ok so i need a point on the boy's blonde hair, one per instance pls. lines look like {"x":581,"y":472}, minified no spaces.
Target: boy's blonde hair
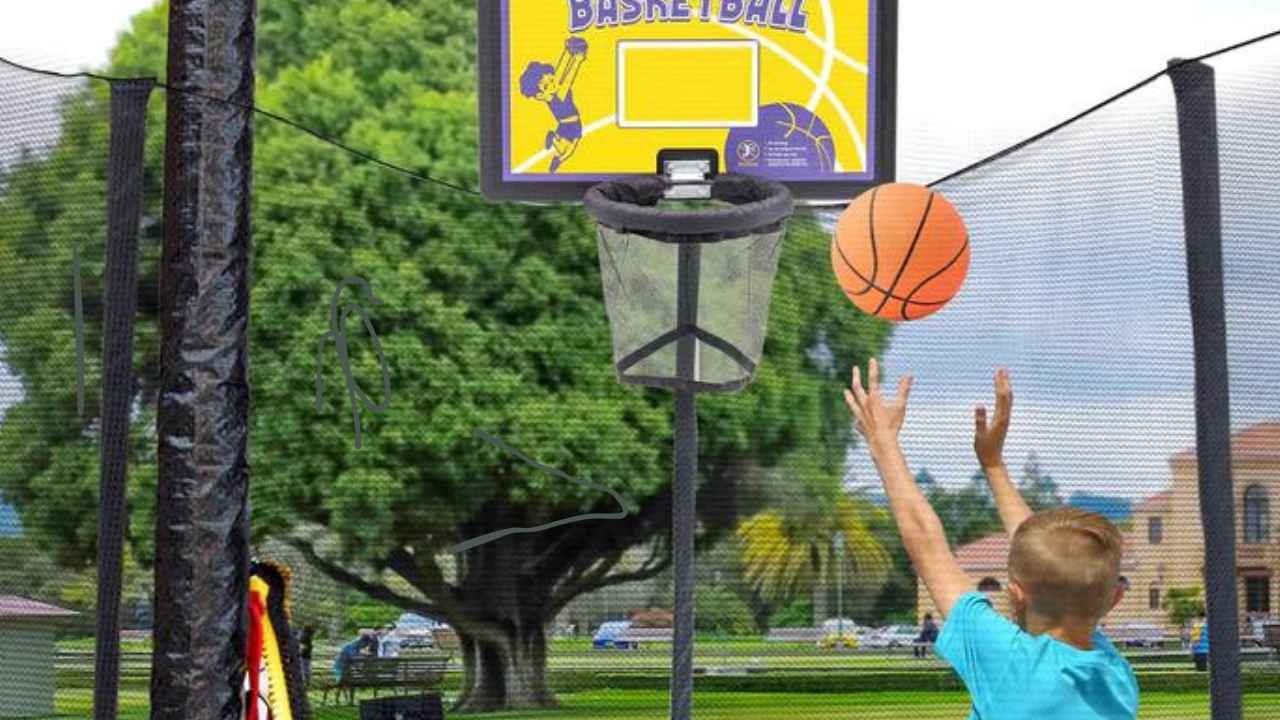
{"x":1068,"y":562}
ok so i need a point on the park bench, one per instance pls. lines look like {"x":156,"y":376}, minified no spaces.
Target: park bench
{"x":408,"y":672}
{"x":634,"y":636}
{"x":1271,"y":637}
{"x":446,"y":640}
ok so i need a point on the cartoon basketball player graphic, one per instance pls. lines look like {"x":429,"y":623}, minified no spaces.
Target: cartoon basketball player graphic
{"x":554,"y":86}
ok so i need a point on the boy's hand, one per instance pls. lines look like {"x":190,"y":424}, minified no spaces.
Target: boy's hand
{"x":877,"y":420}
{"x":988,"y":440}
{"x":923,"y":536}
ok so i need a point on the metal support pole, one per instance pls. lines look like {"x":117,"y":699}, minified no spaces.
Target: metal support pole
{"x":839,"y":557}
{"x":202,"y":514}
{"x":683,"y":521}
{"x":684,"y":492}
{"x":120,"y":301}
{"x":1193,"y":86}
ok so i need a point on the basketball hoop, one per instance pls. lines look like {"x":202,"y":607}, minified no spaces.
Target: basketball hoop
{"x":687,"y":286}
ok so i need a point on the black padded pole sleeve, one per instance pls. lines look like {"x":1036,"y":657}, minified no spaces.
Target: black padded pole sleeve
{"x":684,"y":511}
{"x":684,"y":519}
{"x":120,"y":299}
{"x":1193,"y":86}
{"x":202,"y":511}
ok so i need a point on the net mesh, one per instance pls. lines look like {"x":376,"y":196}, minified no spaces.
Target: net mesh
{"x":1250,"y":191}
{"x":53,"y":209}
{"x":505,"y":423}
{"x":735,"y":279}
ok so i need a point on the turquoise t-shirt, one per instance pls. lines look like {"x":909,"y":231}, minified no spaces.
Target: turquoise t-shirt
{"x":1012,"y":675}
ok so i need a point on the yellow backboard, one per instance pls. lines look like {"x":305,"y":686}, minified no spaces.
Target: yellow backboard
{"x":574,"y":92}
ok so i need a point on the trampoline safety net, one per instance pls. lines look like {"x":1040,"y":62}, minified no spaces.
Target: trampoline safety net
{"x":448,"y":478}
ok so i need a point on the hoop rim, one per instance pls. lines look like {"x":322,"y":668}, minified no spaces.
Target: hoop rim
{"x":755,"y":206}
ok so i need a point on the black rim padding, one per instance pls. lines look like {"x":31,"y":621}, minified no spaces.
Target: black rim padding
{"x":753,"y":206}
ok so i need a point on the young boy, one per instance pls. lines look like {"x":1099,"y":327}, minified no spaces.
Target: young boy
{"x":1064,"y":572}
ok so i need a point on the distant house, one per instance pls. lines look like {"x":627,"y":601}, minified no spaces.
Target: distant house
{"x":28,"y":629}
{"x":1164,"y":547}
{"x":1114,"y":509}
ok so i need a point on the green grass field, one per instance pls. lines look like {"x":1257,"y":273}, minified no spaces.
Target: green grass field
{"x":576,"y":670}
{"x":577,"y":654}
{"x":652,"y":705}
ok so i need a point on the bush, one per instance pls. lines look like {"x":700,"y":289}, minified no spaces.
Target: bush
{"x":1184,"y":605}
{"x":898,"y":617}
{"x":369,"y":614}
{"x":798,"y":613}
{"x":721,"y":611}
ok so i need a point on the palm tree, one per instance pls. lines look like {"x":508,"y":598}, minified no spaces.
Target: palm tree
{"x":790,"y":552}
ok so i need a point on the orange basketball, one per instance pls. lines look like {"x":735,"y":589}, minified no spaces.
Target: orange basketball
{"x":900,"y":251}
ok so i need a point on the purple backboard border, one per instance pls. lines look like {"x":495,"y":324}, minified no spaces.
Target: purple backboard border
{"x":872,"y":132}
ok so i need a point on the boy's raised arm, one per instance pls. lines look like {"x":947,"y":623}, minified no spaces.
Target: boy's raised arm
{"x":922,"y":532}
{"x":988,"y":444}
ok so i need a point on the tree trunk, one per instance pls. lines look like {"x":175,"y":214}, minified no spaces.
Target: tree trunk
{"x":510,"y":675}
{"x":506,"y":664}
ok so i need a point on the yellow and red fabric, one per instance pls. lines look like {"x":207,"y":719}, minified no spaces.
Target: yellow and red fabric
{"x":266,"y":690}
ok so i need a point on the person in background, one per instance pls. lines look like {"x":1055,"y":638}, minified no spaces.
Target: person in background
{"x":389,"y":642}
{"x":1200,"y":643}
{"x":365,"y":644}
{"x":305,"y":646}
{"x":928,"y":636}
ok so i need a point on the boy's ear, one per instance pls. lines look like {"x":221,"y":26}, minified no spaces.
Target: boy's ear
{"x":1016,"y":593}
{"x":1119,"y":595}
{"x":1017,"y":602}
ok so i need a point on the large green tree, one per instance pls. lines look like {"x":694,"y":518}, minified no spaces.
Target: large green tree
{"x":1038,"y":487}
{"x":491,"y":319}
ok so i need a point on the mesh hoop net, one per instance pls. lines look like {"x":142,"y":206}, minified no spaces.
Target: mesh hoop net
{"x":694,"y":273}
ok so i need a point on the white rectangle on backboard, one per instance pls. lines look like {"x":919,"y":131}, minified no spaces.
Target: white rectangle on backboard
{"x":688,"y":83}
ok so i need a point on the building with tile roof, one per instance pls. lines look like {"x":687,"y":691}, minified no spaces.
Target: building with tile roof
{"x":1164,"y":542}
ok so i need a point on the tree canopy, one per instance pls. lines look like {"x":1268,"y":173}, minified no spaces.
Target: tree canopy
{"x":490,"y":318}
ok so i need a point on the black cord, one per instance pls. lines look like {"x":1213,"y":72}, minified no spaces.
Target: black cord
{"x":1081,"y":115}
{"x":265,"y":113}
{"x":68,"y":76}
{"x":337,"y":143}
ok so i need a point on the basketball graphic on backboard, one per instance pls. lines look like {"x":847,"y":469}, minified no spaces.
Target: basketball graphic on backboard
{"x":787,"y":141}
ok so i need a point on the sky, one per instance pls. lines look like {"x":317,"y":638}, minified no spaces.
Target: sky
{"x":64,"y":34}
{"x":976,"y":75}
{"x":1099,"y":355}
